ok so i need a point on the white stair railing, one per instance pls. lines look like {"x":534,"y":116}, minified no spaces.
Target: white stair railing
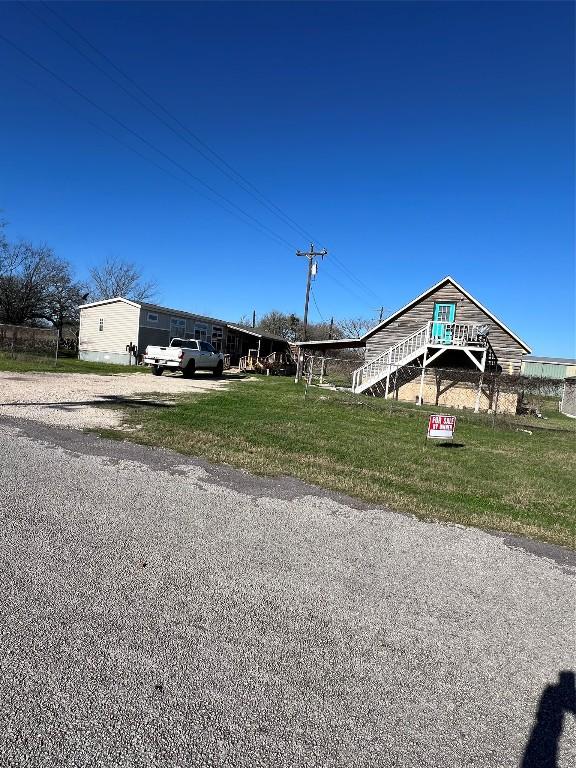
{"x":393,"y":358}
{"x":434,"y":333}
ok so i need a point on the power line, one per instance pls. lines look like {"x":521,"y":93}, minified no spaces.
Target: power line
{"x":345,"y":287}
{"x":316,"y":304}
{"x":268,"y":204}
{"x":237,"y":178}
{"x":144,"y":140}
{"x":126,"y":90}
{"x":356,"y":279}
{"x":126,"y":145}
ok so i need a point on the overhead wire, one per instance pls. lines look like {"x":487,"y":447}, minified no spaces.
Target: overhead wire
{"x":124,"y":144}
{"x":316,"y":304}
{"x":120,"y":85}
{"x":145,"y":141}
{"x":245,"y":182}
{"x":227,"y":170}
{"x":348,"y":288}
{"x":354,"y":277}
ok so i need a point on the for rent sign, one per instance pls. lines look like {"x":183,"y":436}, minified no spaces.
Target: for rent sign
{"x":442,"y":426}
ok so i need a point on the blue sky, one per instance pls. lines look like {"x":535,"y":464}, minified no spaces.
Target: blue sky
{"x":411,"y":140}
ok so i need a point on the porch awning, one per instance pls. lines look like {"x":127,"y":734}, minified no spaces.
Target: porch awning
{"x":328,"y":344}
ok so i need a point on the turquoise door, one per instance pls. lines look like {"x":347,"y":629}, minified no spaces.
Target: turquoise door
{"x":443,"y":313}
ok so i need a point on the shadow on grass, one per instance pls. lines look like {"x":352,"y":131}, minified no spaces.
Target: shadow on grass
{"x":450,"y":445}
{"x":201,"y":375}
{"x":132,"y":402}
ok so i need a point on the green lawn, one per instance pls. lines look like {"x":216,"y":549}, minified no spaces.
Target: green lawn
{"x":376,"y":450}
{"x":26,"y":363}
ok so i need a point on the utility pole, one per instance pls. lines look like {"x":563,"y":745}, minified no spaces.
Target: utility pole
{"x":312,"y":268}
{"x":311,"y":255}
{"x":254,"y":319}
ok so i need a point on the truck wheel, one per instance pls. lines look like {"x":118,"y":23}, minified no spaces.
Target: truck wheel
{"x":190,"y":370}
{"x":157,"y":370}
{"x":219,"y":368}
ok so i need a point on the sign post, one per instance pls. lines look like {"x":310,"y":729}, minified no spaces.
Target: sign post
{"x":441,"y":427}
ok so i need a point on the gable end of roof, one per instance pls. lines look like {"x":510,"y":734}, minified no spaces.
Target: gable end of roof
{"x":440,"y":284}
{"x":110,"y":301}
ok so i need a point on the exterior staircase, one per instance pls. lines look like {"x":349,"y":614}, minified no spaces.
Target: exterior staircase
{"x":420,"y":348}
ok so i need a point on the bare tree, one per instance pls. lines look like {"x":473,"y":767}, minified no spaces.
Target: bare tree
{"x":246,"y":321}
{"x":3,"y":243}
{"x":355,"y":327}
{"x":26,"y":274}
{"x":120,"y":278}
{"x":63,"y":298}
{"x":291,"y":327}
{"x":324,"y":331}
{"x":37,"y":288}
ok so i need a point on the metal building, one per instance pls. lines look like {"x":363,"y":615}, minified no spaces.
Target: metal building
{"x":548,"y":367}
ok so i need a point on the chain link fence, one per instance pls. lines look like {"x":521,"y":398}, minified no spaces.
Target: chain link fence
{"x":18,"y":341}
{"x":568,"y":402}
{"x":496,"y":394}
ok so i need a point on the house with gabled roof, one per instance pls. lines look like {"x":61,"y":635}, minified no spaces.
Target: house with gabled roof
{"x":444,"y":328}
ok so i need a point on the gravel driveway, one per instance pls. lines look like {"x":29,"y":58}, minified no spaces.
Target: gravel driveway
{"x":158,"y":612}
{"x":67,"y":399}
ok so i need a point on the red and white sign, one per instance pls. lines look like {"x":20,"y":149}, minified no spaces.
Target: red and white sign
{"x":442,"y":426}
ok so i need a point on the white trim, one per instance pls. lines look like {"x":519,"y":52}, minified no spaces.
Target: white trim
{"x":475,"y":360}
{"x":269,"y":336}
{"x":244,"y":330}
{"x":550,"y":361}
{"x":109,"y":301}
{"x":437,"y":354}
{"x":446,"y":279}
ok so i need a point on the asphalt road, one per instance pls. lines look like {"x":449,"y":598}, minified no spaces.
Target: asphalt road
{"x":157,"y":611}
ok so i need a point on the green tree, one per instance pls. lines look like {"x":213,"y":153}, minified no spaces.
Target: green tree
{"x":287,"y":326}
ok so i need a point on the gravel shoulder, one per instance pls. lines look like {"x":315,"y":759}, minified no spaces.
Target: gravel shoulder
{"x":71,"y":399}
{"x":159,"y":612}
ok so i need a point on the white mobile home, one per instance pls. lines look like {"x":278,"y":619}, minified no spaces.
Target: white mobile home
{"x":108,"y":329}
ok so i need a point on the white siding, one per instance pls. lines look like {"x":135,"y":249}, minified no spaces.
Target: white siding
{"x":119,"y":328}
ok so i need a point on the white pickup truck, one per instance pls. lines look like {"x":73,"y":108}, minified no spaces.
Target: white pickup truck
{"x":186,"y":355}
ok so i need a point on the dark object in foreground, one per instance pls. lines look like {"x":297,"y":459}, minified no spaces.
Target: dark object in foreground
{"x":542,"y":748}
